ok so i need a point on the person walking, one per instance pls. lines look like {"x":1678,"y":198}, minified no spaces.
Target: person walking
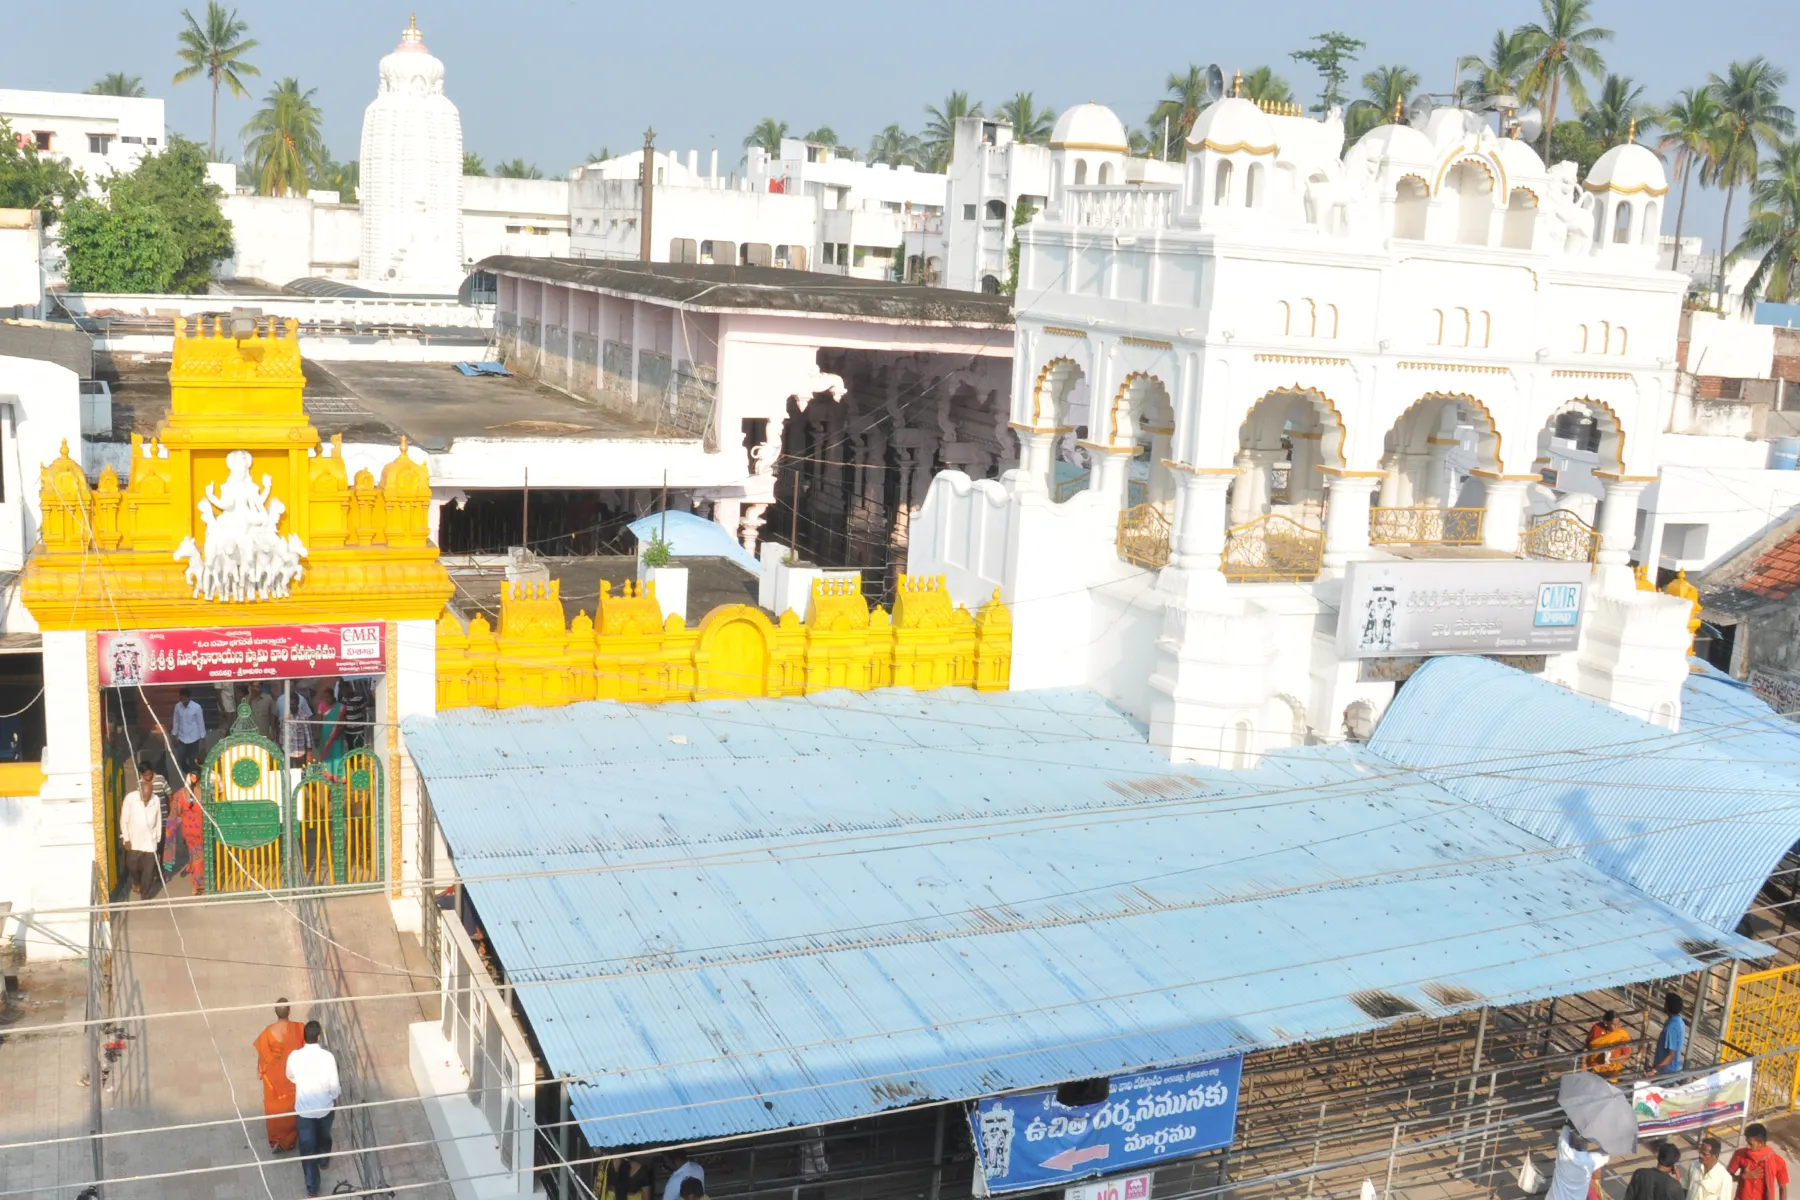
{"x":1576,"y":1162}
{"x":1707,"y":1177}
{"x":1608,"y":1031}
{"x":262,"y":711}
{"x":141,"y":828}
{"x":190,"y":731}
{"x":1761,"y":1173}
{"x":312,"y":1069}
{"x":1661,"y":1182}
{"x":274,"y":1046}
{"x":296,"y":726}
{"x":184,"y":836}
{"x":1671,"y":1044}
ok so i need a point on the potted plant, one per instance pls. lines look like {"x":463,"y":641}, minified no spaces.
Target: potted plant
{"x":671,"y":582}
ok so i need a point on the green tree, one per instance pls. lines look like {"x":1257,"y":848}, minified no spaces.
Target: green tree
{"x":472,"y":164}
{"x":117,"y":83}
{"x":824,"y":135}
{"x":118,"y":246}
{"x":341,"y":177}
{"x":1264,"y":86}
{"x":1772,"y":230}
{"x":1691,"y":134}
{"x":1184,"y":98}
{"x":939,"y":137}
{"x":767,"y":134}
{"x":284,"y":147}
{"x":28,"y":180}
{"x":1029,"y":122}
{"x":1751,"y":117}
{"x":1331,"y":57}
{"x":1562,"y":49}
{"x":174,"y":183}
{"x":1619,"y":113}
{"x":215,"y":48}
{"x":1501,"y":73}
{"x":1388,"y":89}
{"x":1571,"y":142}
{"x":895,"y":147}
{"x":1023,"y":212}
{"x":1141,"y":143}
{"x":517,"y":168}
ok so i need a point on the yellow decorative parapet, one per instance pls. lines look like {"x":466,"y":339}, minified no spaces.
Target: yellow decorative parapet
{"x":627,"y":652}
{"x":108,"y":554}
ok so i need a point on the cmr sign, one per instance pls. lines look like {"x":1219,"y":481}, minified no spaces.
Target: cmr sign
{"x":1497,"y":606}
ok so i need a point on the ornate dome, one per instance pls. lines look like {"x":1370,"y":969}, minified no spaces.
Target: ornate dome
{"x":1628,"y":169}
{"x":411,"y":67}
{"x":1232,"y":124}
{"x":1088,"y":126}
{"x":1402,"y":143}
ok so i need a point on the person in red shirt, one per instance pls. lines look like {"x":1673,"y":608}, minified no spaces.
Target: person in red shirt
{"x":1761,"y":1173}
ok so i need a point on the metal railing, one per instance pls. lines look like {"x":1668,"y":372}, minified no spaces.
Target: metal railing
{"x":1426,"y":525}
{"x":1144,"y":536}
{"x":1561,"y":537}
{"x":1272,"y":548}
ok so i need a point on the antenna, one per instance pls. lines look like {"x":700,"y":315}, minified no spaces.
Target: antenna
{"x":1420,"y":110}
{"x":1215,"y":82}
{"x":1529,"y":123}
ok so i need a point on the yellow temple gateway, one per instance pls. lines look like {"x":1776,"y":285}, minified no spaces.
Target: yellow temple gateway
{"x":244,"y":607}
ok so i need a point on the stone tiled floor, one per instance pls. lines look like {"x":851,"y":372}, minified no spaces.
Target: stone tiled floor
{"x":42,"y":1084}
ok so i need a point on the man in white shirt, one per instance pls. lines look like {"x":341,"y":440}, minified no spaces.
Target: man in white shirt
{"x":141,"y":829}
{"x":1707,"y":1177}
{"x":312,"y":1069}
{"x":687,"y":1170}
{"x":296,"y":728}
{"x":1574,"y":1167}
{"x":189,"y":731}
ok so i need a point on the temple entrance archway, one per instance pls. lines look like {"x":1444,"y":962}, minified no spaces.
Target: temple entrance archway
{"x":1430,"y":489}
{"x":1286,"y":438}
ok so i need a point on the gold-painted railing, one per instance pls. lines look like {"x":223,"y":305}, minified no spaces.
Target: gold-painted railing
{"x":1561,"y":537}
{"x":1272,"y":548}
{"x":1426,"y":525}
{"x":1144,"y":536}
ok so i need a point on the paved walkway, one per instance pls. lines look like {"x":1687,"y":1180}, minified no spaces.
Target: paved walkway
{"x":43,"y":1083}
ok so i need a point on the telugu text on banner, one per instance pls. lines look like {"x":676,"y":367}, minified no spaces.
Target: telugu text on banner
{"x":144,"y":657}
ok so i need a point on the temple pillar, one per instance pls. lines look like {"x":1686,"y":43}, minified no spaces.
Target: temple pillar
{"x":1618,"y":529}
{"x":1505,"y":503}
{"x":1037,"y":458}
{"x":1197,"y":534}
{"x":1437,"y":467}
{"x":1111,"y":475}
{"x":1347,"y":517}
{"x":1390,"y":482}
{"x":1244,"y":506}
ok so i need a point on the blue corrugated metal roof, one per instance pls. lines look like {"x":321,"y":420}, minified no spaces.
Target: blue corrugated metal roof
{"x":1690,"y":818}
{"x":785,"y":912}
{"x":1743,"y":722}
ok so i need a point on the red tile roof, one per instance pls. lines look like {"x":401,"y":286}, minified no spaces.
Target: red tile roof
{"x":1777,"y":573}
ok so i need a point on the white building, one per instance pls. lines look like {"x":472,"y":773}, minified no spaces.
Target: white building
{"x":411,"y":175}
{"x":1306,"y":399}
{"x":96,"y":135}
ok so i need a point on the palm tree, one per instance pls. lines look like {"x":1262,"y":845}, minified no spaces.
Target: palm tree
{"x":824,"y":135}
{"x":1141,"y":143}
{"x":283,"y":146}
{"x":117,"y":83}
{"x":1561,"y":48}
{"x":1499,"y":74}
{"x":939,"y":137}
{"x":342,"y":177}
{"x":1773,"y":230}
{"x":1619,"y":111}
{"x":767,"y":134}
{"x":592,"y":156}
{"x":216,"y":49}
{"x":1180,"y":109}
{"x":1029,"y":122}
{"x":895,"y":147}
{"x":1751,"y":117}
{"x":1691,"y":131}
{"x":472,"y":164}
{"x":1388,"y":89}
{"x":1264,"y":86}
{"x":517,"y":168}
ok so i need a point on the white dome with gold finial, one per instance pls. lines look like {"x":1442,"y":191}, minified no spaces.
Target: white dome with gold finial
{"x":1231,"y":124}
{"x":1088,"y":126}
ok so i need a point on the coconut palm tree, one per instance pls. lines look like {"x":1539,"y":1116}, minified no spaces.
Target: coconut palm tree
{"x":1501,"y":73}
{"x":1186,"y":97}
{"x":1691,"y":133}
{"x":1751,"y":117}
{"x":517,"y":168}
{"x":767,"y":134}
{"x":939,"y":137}
{"x":216,"y":48}
{"x":472,"y":164}
{"x":117,"y":83}
{"x":1264,"y":86}
{"x":283,"y":146}
{"x":1388,"y":89}
{"x":1772,"y":230}
{"x":1029,"y":122}
{"x":1619,"y":113}
{"x":1562,"y":50}
{"x":895,"y":147}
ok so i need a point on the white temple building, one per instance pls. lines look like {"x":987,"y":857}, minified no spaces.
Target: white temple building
{"x":411,"y":181}
{"x":1295,"y":422}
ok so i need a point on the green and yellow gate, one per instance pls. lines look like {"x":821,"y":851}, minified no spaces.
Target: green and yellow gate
{"x":327,"y":827}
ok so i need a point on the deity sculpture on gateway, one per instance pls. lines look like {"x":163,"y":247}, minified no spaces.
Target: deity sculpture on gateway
{"x":245,"y":556}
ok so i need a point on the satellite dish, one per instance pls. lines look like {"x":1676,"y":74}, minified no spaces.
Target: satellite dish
{"x":1420,"y":110}
{"x":1215,"y":82}
{"x":1530,"y":123}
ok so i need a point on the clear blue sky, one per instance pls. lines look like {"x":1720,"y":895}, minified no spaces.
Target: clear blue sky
{"x":551,"y":80}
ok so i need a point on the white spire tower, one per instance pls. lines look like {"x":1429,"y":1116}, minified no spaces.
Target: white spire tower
{"x":411,"y":180}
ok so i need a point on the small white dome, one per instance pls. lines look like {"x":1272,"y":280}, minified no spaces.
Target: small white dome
{"x":1231,"y":124}
{"x":1517,"y":156}
{"x":1401,"y":143}
{"x":1628,"y":168}
{"x":1088,"y":126}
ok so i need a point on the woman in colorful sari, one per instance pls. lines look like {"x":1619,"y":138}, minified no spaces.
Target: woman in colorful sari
{"x":334,"y":742}
{"x":185,"y":834}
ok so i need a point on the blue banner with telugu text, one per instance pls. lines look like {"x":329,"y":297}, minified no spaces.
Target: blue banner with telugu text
{"x":1028,"y":1140}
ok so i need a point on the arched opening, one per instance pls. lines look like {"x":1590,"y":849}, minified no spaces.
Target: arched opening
{"x":1287,"y":317}
{"x":1599,"y":226}
{"x":1253,"y":185}
{"x":1285,"y":439}
{"x":1459,"y":327}
{"x":1143,"y":417}
{"x":1428,"y":494}
{"x":1581,"y":339}
{"x":1624,"y":339}
{"x":1222,"y":185}
{"x":1437,"y":327}
{"x":1473,"y":189}
{"x":1410,"y":203}
{"x":1105,"y":176}
{"x":1580,"y":438}
{"x":1521,"y":220}
{"x":1652,"y":223}
{"x":756,"y":254}
{"x":1059,"y":401}
{"x":1485,"y":323}
{"x":996,"y":210}
{"x":990,"y":285}
{"x":1080,"y":172}
{"x":1622,"y":223}
{"x":1331,"y":320}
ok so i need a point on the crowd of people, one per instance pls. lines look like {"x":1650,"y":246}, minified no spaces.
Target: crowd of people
{"x":1754,"y":1172}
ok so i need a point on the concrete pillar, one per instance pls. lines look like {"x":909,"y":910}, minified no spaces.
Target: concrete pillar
{"x":1437,"y":459}
{"x":1198,"y":536}
{"x":1390,"y":482}
{"x":1243,"y":491}
{"x":1037,"y":459}
{"x":1347,"y":519}
{"x":1505,"y":503}
{"x":1111,"y":475}
{"x":1618,"y":529}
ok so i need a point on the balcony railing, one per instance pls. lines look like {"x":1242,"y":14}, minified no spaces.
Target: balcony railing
{"x":1561,"y":537}
{"x":1113,"y":207}
{"x":1272,"y":549}
{"x":1424,"y":525}
{"x":1144,"y":536}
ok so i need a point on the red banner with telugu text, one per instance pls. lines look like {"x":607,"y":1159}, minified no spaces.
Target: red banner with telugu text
{"x":157,"y":656}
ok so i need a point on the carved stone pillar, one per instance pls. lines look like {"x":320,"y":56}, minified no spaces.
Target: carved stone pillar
{"x":1505,"y":503}
{"x":1390,"y":482}
{"x":1244,"y":506}
{"x":1037,"y":448}
{"x":1347,"y":519}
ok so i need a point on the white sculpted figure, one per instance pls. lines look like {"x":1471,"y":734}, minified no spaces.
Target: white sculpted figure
{"x":1347,"y":207}
{"x":244,"y":557}
{"x":1568,"y":211}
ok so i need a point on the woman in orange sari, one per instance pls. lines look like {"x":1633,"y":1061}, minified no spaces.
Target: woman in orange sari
{"x":273,"y":1045}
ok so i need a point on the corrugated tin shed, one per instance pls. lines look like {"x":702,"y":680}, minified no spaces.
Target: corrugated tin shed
{"x":1690,"y":818}
{"x":737,"y":916}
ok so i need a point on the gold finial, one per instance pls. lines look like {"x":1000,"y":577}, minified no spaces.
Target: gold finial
{"x":1399,"y":107}
{"x":1237,"y":84}
{"x":1632,"y":136}
{"x":411,"y":35}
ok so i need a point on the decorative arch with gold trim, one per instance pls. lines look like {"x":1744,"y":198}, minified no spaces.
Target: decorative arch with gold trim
{"x":1044,"y":377}
{"x":1320,"y":400}
{"x":1473,"y":402}
{"x":1493,"y":167}
{"x":1118,"y":401}
{"x":1594,"y":408}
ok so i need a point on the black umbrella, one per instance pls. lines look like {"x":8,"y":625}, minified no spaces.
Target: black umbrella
{"x":1599,"y":1111}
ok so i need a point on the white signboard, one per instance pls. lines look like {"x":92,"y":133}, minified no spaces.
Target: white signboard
{"x":1119,"y":1187}
{"x":1461,"y":606}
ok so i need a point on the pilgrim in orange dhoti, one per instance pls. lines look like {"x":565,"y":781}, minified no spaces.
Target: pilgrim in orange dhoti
{"x":273,"y":1045}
